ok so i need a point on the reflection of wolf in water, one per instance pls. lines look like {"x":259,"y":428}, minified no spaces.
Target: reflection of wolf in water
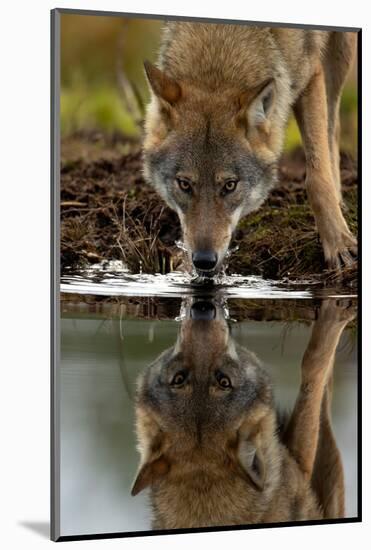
{"x":213,"y":449}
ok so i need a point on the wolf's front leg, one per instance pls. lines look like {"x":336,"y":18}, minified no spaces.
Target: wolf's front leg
{"x":339,"y":245}
{"x":301,"y":436}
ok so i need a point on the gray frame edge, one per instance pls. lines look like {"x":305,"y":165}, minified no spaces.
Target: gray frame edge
{"x":55,"y":276}
{"x":72,"y":11}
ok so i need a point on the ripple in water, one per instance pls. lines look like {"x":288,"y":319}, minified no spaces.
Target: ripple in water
{"x":114,"y":279}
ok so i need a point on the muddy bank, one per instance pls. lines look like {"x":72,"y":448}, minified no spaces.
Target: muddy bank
{"x":109,"y":212}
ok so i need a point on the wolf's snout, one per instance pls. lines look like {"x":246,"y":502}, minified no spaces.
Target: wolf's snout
{"x":205,"y":260}
{"x":203,"y":311}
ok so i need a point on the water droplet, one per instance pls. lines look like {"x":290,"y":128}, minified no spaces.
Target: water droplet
{"x":181,"y":245}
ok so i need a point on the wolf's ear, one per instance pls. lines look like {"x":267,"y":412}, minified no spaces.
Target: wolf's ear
{"x":251,"y":461}
{"x":163,"y":86}
{"x":148,"y":473}
{"x":256,"y":105}
{"x":153,"y":464}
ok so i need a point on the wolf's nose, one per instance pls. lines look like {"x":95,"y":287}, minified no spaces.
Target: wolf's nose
{"x":203,"y":311}
{"x":204,"y":260}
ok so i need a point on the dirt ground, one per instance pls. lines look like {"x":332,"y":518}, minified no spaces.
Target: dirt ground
{"x":109,"y":212}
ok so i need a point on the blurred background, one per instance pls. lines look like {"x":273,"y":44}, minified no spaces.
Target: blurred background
{"x":103,"y":87}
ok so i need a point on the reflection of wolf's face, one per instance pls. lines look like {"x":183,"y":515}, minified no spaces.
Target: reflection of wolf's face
{"x":205,"y":419}
{"x":205,"y":383}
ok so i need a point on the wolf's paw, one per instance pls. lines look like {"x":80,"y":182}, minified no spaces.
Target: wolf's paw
{"x":332,"y":318}
{"x":341,"y":251}
{"x":334,"y":311}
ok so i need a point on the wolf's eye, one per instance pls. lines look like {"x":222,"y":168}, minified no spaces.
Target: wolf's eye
{"x":229,"y":186}
{"x":179,"y":378}
{"x":223,"y":381}
{"x":184,"y":185}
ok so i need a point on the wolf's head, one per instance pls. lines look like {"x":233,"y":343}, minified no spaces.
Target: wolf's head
{"x":212,"y":156}
{"x":204,"y":412}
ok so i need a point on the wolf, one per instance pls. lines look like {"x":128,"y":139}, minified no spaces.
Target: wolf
{"x":214,"y":449}
{"x":215,"y":127}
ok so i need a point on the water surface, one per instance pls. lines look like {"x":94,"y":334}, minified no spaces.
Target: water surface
{"x":107,"y":343}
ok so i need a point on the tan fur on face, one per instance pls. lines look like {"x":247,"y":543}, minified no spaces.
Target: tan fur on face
{"x":202,"y":232}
